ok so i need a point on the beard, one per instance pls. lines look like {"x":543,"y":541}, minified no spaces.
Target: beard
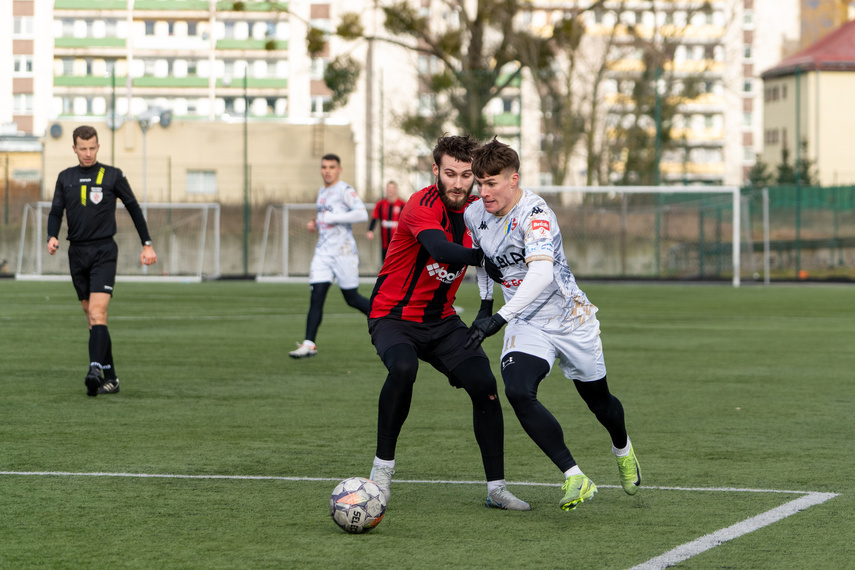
{"x":452,"y":202}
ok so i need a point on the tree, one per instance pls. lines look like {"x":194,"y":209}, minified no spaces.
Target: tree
{"x":478,"y":48}
{"x":802,"y":173}
{"x":759,"y":176}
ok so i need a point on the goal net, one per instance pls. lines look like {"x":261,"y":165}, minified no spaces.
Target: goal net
{"x":186,"y":238}
{"x":287,"y":247}
{"x":653,"y":232}
{"x":614,"y":232}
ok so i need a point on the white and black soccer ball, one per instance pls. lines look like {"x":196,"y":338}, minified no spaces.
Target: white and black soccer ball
{"x":357,"y":505}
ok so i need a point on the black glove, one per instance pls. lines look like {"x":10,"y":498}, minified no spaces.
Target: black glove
{"x":486,"y":309}
{"x":493,"y":270}
{"x":482,"y":328}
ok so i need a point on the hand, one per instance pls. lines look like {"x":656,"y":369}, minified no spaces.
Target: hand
{"x":482,"y":328}
{"x":486,"y":309}
{"x":369,"y":234}
{"x":52,"y":245}
{"x":493,"y":270}
{"x":148,"y":256}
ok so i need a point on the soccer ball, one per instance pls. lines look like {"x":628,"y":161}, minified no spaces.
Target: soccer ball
{"x":357,"y":505}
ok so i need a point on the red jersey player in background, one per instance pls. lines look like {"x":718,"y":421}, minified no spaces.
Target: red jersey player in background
{"x":412,"y":317}
{"x":386,"y":211}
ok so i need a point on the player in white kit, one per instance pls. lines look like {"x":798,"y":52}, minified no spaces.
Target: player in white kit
{"x":547,"y":317}
{"x":336,"y":256}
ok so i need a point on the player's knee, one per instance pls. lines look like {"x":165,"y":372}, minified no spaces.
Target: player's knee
{"x":522,"y":373}
{"x":402,"y":366}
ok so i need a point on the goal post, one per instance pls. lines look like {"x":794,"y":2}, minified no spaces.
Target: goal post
{"x":675,"y":232}
{"x":186,"y":238}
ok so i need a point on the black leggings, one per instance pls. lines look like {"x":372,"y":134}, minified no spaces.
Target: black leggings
{"x":523,"y":373}
{"x":473,"y":375}
{"x":316,"y":306}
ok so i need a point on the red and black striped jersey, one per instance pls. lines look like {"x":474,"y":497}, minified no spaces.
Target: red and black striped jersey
{"x":412,"y":286}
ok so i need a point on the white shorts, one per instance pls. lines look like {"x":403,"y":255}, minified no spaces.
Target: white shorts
{"x":344,"y":268}
{"x":579,"y":352}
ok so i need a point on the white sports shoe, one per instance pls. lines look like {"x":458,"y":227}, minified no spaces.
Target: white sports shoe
{"x":501,"y":498}
{"x":303,"y":351}
{"x":382,"y":476}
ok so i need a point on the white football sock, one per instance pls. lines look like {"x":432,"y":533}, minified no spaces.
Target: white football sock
{"x":622,"y":452}
{"x":383,"y":463}
{"x":573,"y":471}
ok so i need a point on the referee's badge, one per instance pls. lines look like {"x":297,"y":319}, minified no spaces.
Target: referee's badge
{"x":95,"y":195}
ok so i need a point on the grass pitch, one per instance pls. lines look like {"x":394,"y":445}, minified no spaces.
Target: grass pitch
{"x":221,"y":452}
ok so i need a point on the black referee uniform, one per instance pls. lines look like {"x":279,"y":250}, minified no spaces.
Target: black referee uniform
{"x":88,"y":196}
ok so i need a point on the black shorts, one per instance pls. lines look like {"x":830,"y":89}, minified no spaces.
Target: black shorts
{"x":93,"y":267}
{"x":440,"y":343}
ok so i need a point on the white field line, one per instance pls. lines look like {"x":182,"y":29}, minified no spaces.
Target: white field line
{"x":709,"y":541}
{"x":670,"y":558}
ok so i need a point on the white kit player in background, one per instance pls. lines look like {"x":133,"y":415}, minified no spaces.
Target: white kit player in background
{"x":336,"y":256}
{"x":548,"y":317}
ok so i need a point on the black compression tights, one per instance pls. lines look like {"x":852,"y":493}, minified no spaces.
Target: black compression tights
{"x":522,"y":374}
{"x":316,"y":306}
{"x":473,"y":375}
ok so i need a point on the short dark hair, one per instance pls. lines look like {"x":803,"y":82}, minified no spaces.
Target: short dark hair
{"x":331,"y":156}
{"x":494,"y":158}
{"x":460,"y":147}
{"x":84,"y":132}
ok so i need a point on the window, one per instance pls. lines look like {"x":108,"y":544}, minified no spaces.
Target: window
{"x":746,"y":52}
{"x":201,"y":182}
{"x":747,"y":118}
{"x":22,"y":26}
{"x":748,"y":18}
{"x":149,"y":27}
{"x":748,"y":86}
{"x":320,"y":103}
{"x":22,"y":65}
{"x":170,"y":27}
{"x":191,"y":67}
{"x":22,"y":104}
{"x":68,"y":28}
{"x":748,"y":153}
{"x":110,"y":28}
{"x":67,"y":66}
{"x":230,"y":31}
{"x":192,"y":28}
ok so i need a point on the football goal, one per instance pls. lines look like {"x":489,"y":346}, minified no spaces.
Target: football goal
{"x":186,"y":238}
{"x":614,"y":232}
{"x":287,"y":247}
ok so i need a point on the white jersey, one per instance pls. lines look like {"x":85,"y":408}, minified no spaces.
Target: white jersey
{"x":529,"y":232}
{"x":337,"y":239}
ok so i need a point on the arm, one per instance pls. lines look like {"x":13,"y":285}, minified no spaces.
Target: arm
{"x":351,"y":217}
{"x":124,"y":192}
{"x":55,"y":218}
{"x":537,"y":278}
{"x":444,"y":251}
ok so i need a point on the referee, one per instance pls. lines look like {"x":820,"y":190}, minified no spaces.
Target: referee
{"x":87,"y":192}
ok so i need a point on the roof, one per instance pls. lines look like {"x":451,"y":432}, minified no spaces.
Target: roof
{"x":834,"y":52}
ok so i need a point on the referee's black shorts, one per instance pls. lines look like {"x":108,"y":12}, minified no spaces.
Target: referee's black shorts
{"x":438,"y":343}
{"x":93,"y":267}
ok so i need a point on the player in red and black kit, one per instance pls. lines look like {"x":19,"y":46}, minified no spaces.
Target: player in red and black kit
{"x":87,"y":193}
{"x":387,"y":211}
{"x":412,"y":317}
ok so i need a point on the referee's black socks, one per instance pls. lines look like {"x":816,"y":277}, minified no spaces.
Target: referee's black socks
{"x":99,"y":344}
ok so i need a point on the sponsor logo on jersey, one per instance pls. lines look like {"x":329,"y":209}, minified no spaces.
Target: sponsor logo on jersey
{"x":483,"y":225}
{"x":536,"y":210}
{"x":441,"y":273}
{"x":96,"y":195}
{"x":510,"y":226}
{"x":542,"y":225}
{"x":82,"y":180}
{"x":509,"y":259}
